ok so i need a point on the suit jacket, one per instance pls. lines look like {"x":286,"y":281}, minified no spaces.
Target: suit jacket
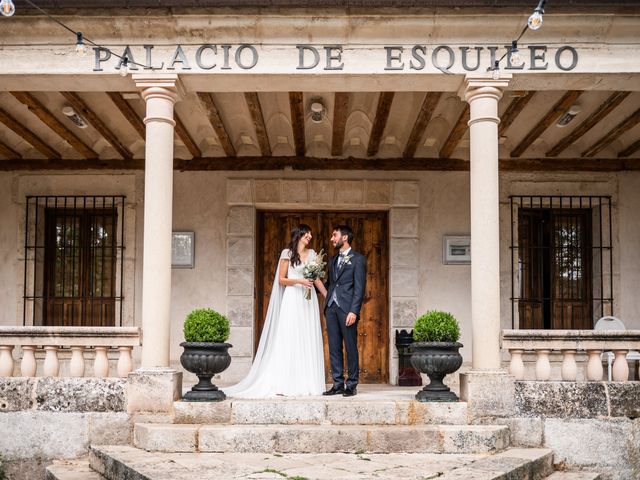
{"x":348,"y":282}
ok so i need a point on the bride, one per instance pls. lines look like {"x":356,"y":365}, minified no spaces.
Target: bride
{"x":290,"y":356}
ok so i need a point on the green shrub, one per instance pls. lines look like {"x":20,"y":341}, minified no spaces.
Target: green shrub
{"x":206,"y":325}
{"x":436,"y":326}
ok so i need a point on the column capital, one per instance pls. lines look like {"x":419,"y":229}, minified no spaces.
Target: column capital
{"x":157,"y":82}
{"x":483,"y":84}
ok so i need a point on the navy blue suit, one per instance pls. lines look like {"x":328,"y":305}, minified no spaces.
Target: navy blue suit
{"x":345,"y":294}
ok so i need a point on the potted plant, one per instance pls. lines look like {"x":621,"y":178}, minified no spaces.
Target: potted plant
{"x":435,"y":352}
{"x":205,"y":352}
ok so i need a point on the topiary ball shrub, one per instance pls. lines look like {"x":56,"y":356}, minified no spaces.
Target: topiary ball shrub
{"x":436,"y":326}
{"x":206,"y":325}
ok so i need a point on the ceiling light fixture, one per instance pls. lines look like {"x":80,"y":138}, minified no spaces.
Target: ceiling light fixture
{"x":7,"y":8}
{"x":74,"y":117}
{"x":569,"y":115}
{"x":317,"y":110}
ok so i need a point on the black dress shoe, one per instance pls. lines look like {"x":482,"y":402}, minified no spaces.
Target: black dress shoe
{"x":349,"y":392}
{"x":334,"y":391}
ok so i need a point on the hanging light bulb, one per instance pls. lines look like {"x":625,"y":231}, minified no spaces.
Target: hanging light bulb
{"x":81,"y":49}
{"x":535,"y":20}
{"x":496,"y":70}
{"x":124,"y":69}
{"x":514,"y":54}
{"x":7,"y":8}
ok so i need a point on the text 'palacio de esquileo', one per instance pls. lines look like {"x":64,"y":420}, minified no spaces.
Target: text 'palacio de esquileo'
{"x":389,"y":58}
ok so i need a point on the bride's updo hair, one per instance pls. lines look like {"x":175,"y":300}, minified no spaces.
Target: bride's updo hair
{"x":297,"y":233}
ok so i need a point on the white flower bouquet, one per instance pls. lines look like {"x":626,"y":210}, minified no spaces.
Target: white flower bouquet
{"x":313,"y":270}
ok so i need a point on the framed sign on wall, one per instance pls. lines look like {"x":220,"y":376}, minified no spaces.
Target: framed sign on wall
{"x":456,"y":249}
{"x":183,"y":245}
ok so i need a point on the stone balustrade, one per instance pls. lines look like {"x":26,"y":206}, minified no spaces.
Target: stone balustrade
{"x":78,"y":340}
{"x":569,"y":342}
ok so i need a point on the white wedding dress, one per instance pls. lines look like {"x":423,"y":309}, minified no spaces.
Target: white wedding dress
{"x":290,"y":356}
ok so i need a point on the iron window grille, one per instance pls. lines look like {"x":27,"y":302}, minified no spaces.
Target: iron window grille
{"x":74,"y":260}
{"x":561,"y":261}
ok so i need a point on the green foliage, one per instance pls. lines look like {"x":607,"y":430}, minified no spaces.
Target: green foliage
{"x":2,"y":474}
{"x":436,"y":326}
{"x":206,"y":325}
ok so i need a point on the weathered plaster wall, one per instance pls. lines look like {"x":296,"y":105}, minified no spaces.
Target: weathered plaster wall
{"x":629,"y":251}
{"x":8,"y":251}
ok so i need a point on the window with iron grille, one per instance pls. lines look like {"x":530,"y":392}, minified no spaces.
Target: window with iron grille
{"x":73,"y":262}
{"x":561,"y":261}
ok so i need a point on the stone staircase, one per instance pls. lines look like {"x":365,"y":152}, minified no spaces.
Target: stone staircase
{"x":332,"y":438}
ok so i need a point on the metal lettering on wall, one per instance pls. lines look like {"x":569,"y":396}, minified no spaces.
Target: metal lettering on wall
{"x":412,"y":58}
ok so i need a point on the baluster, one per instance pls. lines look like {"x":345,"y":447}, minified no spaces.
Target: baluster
{"x":569,"y":368}
{"x":28,"y":366}
{"x":76,"y":364}
{"x":6,"y":360}
{"x":51,"y":363}
{"x":516,"y":367}
{"x":543,"y":367}
{"x":620,"y":368}
{"x":594,"y":366}
{"x":101,"y":363}
{"x":125,"y":365}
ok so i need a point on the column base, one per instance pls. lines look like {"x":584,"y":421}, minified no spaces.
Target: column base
{"x":488,"y":393}
{"x":153,"y":390}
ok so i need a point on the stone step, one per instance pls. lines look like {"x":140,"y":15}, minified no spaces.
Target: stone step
{"x":321,"y":438}
{"x":123,"y":462}
{"x":335,"y":411}
{"x":72,"y":470}
{"x":574,"y":476}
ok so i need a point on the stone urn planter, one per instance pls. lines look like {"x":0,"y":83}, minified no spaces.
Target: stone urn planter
{"x":436,"y":359}
{"x":435,"y":353}
{"x":205,"y":359}
{"x":205,"y":352}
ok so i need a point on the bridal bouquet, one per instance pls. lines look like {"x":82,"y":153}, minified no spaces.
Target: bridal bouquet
{"x":314,"y":270}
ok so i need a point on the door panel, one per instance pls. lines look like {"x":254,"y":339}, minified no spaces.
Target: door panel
{"x":370,"y":239}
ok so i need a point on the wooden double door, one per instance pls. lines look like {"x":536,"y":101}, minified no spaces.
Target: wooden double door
{"x":371,"y":239}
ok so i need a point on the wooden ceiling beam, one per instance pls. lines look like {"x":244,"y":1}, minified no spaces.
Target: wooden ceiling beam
{"x":513,"y":110}
{"x":255,"y":110}
{"x":380,"y":122}
{"x":129,"y":113}
{"x":183,"y":134}
{"x":308,"y":163}
{"x":627,"y":124}
{"x":551,"y":116}
{"x":456,"y":134}
{"x":28,"y":136}
{"x":296,"y":105}
{"x":8,"y":152}
{"x":85,"y":112}
{"x":420,"y":125}
{"x":40,"y":111}
{"x":634,"y":147}
{"x":216,"y":123}
{"x":602,"y":111}
{"x":340,"y":116}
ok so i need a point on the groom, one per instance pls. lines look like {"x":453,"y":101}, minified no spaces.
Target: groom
{"x":345,"y":293}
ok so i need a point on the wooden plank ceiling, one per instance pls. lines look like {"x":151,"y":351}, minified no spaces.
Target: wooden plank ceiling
{"x":386,"y":130}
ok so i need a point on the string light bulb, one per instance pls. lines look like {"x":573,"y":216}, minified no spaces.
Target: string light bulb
{"x":535,"y":20}
{"x":496,"y":70}
{"x":7,"y":8}
{"x":124,"y":68}
{"x":514,"y":54}
{"x":81,"y":49}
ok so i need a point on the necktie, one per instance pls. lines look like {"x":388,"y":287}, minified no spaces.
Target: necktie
{"x":340,"y":260}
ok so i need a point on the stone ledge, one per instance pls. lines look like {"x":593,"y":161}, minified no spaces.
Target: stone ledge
{"x":64,"y":394}
{"x":559,"y":399}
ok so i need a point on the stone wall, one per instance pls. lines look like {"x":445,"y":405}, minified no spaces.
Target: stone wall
{"x":593,"y":425}
{"x":42,"y":419}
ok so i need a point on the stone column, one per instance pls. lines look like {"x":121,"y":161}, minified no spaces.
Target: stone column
{"x":487,"y":388}
{"x":155,"y":386}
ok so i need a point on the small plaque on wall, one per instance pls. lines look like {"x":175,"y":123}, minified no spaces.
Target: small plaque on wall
{"x":456,"y":249}
{"x":183,"y":245}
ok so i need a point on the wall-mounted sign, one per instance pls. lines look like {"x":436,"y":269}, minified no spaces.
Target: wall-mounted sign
{"x":183,"y":245}
{"x":401,"y":58}
{"x":456,"y":249}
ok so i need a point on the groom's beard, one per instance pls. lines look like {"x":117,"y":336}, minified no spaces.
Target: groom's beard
{"x":338,"y":245}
